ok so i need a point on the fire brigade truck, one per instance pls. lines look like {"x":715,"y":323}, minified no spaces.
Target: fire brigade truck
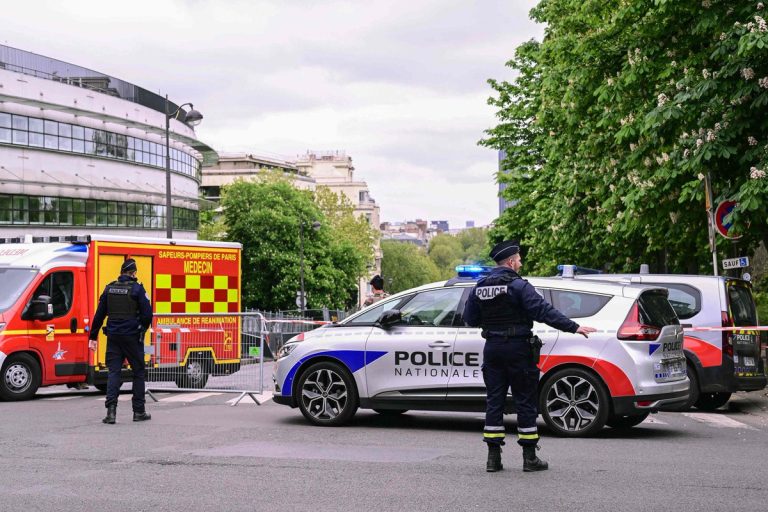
{"x":49,"y":291}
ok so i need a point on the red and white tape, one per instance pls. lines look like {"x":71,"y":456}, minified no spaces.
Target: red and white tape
{"x":725,"y":329}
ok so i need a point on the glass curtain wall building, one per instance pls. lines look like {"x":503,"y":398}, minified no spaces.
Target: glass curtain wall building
{"x":82,"y":152}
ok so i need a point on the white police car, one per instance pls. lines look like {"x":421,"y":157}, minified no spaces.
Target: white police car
{"x":413,"y":351}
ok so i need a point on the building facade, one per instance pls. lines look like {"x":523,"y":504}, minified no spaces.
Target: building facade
{"x":84,"y":152}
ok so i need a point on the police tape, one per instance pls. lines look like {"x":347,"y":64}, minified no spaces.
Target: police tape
{"x":725,"y":329}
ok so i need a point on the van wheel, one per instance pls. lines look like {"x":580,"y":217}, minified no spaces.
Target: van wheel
{"x":326,"y":394}
{"x":620,"y":422}
{"x":194,"y":376}
{"x":574,"y":403}
{"x":693,"y":397}
{"x":19,"y":377}
{"x":712,"y":401}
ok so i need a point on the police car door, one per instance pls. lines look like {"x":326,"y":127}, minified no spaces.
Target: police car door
{"x":466,"y":379}
{"x":415,"y":364}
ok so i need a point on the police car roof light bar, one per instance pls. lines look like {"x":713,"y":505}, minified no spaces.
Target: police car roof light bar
{"x":577,"y":270}
{"x":472,"y":270}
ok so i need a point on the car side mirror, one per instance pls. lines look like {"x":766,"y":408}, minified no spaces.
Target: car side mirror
{"x":40,"y":309}
{"x":389,"y":319}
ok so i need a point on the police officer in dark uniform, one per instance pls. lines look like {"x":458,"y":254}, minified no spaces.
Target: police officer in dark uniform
{"x":505,"y":305}
{"x":125,"y":304}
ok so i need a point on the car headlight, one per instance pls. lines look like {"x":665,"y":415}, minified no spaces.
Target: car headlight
{"x":286,"y":349}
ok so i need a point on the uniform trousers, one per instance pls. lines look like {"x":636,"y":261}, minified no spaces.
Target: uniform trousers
{"x":120,"y":348}
{"x":507,"y":364}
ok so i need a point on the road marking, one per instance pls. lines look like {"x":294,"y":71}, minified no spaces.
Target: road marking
{"x":121,"y":398}
{"x":653,"y":421}
{"x":61,"y":397}
{"x":717,"y":420}
{"x":188,"y":397}
{"x":260,"y":399}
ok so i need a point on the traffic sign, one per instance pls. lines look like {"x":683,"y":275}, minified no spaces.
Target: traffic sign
{"x":299,"y":302}
{"x":722,"y":211}
{"x":736,"y":263}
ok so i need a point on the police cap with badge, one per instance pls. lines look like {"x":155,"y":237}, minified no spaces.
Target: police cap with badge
{"x":504,"y":250}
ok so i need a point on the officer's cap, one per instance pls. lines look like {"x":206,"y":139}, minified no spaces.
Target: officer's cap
{"x":129,"y":265}
{"x":504,"y":250}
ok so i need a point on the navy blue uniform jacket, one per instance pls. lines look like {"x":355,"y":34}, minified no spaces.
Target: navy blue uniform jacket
{"x":123,"y":327}
{"x":525,"y":297}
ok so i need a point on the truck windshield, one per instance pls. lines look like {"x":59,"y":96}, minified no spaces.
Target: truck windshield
{"x":14,"y":282}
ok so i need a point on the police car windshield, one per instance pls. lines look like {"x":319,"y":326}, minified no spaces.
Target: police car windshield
{"x":15,"y":281}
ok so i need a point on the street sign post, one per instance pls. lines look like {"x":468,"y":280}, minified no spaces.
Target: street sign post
{"x":736,"y":263}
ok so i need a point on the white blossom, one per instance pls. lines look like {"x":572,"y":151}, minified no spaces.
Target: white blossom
{"x":674,"y":216}
{"x":610,"y":81}
{"x":701,"y":177}
{"x":665,"y":157}
{"x":705,"y":73}
{"x":699,"y":142}
{"x":752,"y":141}
{"x":686,"y":152}
{"x":760,"y":6}
{"x":706,"y":4}
{"x":632,"y":146}
{"x":763,"y":82}
{"x":756,"y":174}
{"x":710,"y":135}
{"x":723,"y":36}
{"x":762,"y":26}
{"x":748,"y":73}
{"x":662,"y":99}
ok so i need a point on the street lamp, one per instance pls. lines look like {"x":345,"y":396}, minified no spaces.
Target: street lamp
{"x":315,"y":225}
{"x":193,"y":119}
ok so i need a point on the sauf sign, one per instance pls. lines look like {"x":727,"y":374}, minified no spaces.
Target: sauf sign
{"x":736,"y":263}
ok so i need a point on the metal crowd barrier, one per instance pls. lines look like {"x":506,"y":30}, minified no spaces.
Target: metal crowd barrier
{"x":222,"y":352}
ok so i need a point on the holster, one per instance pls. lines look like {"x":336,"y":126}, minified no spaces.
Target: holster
{"x":536,"y":345}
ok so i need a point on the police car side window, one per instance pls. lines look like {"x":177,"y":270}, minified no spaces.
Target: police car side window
{"x":432,"y":308}
{"x":577,"y":304}
{"x":59,"y":287}
{"x":372,"y":315}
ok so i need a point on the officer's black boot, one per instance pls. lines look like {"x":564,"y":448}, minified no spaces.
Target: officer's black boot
{"x":111,"y":414}
{"x":531,"y":462}
{"x":494,"y":459}
{"x":141,"y":416}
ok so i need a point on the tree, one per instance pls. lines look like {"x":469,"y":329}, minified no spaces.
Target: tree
{"x":265,"y":216}
{"x":468,"y":246}
{"x":340,"y":215}
{"x":615,"y":118}
{"x":405,"y":266}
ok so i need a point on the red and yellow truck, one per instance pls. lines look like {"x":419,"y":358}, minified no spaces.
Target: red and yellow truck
{"x":49,"y":292}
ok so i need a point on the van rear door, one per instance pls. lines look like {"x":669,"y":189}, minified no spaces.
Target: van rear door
{"x":746,"y":342}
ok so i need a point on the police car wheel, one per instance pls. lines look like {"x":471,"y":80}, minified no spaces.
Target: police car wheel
{"x":574,"y":403}
{"x":626,"y":421}
{"x":712,"y":401}
{"x":19,"y":377}
{"x":326,"y":394}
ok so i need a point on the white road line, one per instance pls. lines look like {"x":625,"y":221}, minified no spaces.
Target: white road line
{"x":717,"y":420}
{"x":653,"y":421}
{"x":62,"y":397}
{"x":260,"y":399}
{"x":188,"y":397}
{"x":121,"y":398}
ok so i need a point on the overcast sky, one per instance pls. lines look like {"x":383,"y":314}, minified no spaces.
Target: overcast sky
{"x":400,"y":85}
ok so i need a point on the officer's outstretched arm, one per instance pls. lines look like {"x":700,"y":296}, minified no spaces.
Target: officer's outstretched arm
{"x":542,"y":311}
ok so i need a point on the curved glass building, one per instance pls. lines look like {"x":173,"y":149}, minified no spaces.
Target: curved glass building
{"x":84,"y":152}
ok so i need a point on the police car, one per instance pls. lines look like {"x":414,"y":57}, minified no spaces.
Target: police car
{"x":413,"y":351}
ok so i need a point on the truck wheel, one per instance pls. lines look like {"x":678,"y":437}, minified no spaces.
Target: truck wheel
{"x":574,"y":403}
{"x":712,"y":401}
{"x":195,"y":375}
{"x":19,"y":377}
{"x":326,"y":394}
{"x":620,"y":422}
{"x":694,"y":391}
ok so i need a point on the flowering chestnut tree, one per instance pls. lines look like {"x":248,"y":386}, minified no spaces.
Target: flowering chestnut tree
{"x":614,"y":119}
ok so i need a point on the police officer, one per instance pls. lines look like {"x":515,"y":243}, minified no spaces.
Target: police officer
{"x":377,"y":285}
{"x":125,"y":304}
{"x":505,"y":305}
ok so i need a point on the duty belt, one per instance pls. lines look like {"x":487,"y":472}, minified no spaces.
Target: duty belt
{"x":519,"y":331}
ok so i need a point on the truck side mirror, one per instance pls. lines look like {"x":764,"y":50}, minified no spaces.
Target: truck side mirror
{"x":40,"y":309}
{"x":389,"y":319}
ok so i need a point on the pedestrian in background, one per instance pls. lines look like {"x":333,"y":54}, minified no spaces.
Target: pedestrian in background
{"x":377,"y":293}
{"x":126,"y":306}
{"x":505,"y":306}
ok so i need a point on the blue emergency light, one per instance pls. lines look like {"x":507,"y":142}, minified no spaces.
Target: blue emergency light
{"x":473,"y":271}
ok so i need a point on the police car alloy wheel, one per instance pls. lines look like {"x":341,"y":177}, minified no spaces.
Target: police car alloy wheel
{"x":574,"y":403}
{"x":327,"y":394}
{"x":20,"y":377}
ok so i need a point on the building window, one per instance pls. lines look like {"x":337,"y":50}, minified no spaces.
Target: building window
{"x":64,"y":211}
{"x":44,"y":133}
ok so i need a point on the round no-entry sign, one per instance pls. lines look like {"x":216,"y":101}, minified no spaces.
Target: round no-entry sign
{"x":722,"y":211}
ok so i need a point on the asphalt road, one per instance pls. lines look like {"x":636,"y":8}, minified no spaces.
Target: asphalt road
{"x":199,"y":453}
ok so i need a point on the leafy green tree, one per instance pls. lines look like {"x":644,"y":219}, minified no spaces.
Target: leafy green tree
{"x":265,"y":216}
{"x":405,"y":266}
{"x":340,"y":215}
{"x":468,"y":246}
{"x":615,"y":118}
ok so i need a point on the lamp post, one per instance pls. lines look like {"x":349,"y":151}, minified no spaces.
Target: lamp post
{"x":315,"y":225}
{"x":193,"y":119}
